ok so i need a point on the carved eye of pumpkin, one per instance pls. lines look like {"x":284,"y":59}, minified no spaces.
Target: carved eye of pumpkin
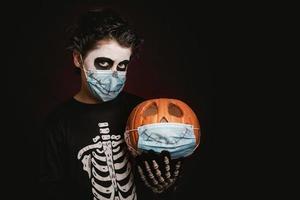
{"x":151,"y":110}
{"x":175,"y":110}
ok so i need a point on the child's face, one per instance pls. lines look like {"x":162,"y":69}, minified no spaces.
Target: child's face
{"x":108,"y":55}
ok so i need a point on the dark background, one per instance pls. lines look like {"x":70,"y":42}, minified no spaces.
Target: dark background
{"x":39,"y":74}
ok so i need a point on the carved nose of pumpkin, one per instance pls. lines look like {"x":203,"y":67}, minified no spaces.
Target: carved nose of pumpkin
{"x":163,"y":120}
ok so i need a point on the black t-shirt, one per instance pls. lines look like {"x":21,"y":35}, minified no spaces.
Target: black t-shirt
{"x":84,"y":155}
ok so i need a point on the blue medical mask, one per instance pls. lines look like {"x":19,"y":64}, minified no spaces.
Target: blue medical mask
{"x":105,"y":85}
{"x":176,"y":138}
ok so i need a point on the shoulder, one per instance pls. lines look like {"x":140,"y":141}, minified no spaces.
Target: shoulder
{"x":130,"y":100}
{"x":59,"y":112}
{"x":131,"y":97}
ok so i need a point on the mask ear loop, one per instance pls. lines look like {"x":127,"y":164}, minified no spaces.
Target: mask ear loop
{"x":195,"y":138}
{"x":82,"y":66}
{"x":195,"y":142}
{"x":135,"y":152}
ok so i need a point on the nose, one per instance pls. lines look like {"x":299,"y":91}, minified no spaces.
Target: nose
{"x":163,"y":120}
{"x":115,"y":73}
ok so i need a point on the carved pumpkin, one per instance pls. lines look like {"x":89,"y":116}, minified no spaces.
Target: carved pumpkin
{"x":159,"y":110}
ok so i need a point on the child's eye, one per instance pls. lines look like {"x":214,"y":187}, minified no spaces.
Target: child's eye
{"x":122,"y":67}
{"x":103,"y":63}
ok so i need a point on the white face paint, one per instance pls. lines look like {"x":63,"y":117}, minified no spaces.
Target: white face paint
{"x":108,"y":55}
{"x":104,"y":70}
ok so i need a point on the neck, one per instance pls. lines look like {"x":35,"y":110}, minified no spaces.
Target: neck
{"x":85,"y":96}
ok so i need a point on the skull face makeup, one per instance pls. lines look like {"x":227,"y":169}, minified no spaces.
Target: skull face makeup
{"x":105,"y":69}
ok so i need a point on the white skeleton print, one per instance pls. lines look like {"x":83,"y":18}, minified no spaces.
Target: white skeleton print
{"x":109,"y":170}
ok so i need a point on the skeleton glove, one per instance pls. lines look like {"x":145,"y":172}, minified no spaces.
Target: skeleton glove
{"x":158,"y":171}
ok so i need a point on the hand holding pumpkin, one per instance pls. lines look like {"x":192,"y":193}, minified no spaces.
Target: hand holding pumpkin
{"x":158,"y":171}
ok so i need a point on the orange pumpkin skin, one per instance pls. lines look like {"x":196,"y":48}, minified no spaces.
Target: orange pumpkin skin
{"x":158,"y":111}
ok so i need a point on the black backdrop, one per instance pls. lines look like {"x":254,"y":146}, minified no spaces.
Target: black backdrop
{"x":39,"y":75}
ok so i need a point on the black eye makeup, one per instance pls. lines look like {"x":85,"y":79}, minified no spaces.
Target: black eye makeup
{"x":122,"y":66}
{"x":103,"y":63}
